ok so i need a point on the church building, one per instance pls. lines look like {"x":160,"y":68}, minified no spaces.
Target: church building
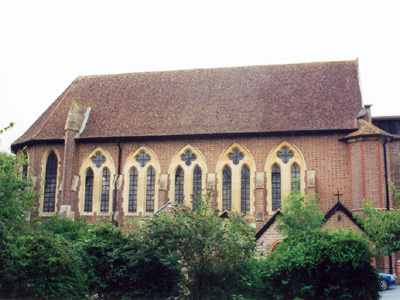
{"x":125,"y":145}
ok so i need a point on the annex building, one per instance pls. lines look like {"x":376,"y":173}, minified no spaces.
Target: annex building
{"x":122,"y":146}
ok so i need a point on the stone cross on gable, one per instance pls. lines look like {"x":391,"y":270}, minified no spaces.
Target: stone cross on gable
{"x":338,"y":196}
{"x":285,"y":155}
{"x":236,"y":156}
{"x":188,"y":157}
{"x":143,"y":159}
{"x":99,"y":159}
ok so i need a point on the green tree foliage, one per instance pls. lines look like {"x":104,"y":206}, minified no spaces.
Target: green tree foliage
{"x":382,"y":227}
{"x":33,"y":263}
{"x":212,"y":251}
{"x":322,"y":265}
{"x":301,"y":216}
{"x":314,"y":264}
{"x":16,"y":197}
{"x":42,"y":265}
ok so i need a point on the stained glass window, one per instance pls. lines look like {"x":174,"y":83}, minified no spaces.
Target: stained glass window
{"x":88,"y":203}
{"x":196,"y":187}
{"x":295,"y":178}
{"x":105,"y":191}
{"x":151,"y":177}
{"x":226,"y":189}
{"x":245,"y":188}
{"x":276,"y":187}
{"x":49,"y":197}
{"x":133,"y":181}
{"x":179,"y":178}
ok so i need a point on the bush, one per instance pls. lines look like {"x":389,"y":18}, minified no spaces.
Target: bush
{"x":322,"y":265}
{"x":42,"y":265}
{"x":213,"y":251}
{"x":75,"y":231}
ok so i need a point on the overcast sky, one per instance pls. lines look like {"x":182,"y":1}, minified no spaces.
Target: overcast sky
{"x":45,"y":45}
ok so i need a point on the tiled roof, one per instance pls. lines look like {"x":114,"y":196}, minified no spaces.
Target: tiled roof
{"x":366,"y":129}
{"x":257,"y":99}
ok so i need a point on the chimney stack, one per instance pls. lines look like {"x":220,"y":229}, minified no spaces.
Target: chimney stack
{"x":368,"y":110}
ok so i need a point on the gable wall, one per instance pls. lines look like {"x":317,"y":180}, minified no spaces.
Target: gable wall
{"x":335,"y":222}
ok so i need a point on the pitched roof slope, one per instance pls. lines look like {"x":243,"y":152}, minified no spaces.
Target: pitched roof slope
{"x":312,"y":96}
{"x":366,"y":129}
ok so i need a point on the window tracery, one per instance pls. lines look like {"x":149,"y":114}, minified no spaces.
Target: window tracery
{"x":285,"y":169}
{"x":141,"y":173}
{"x":97,"y":174}
{"x":236,"y":172}
{"x":187,"y":176}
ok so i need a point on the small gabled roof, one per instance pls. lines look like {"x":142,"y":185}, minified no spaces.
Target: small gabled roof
{"x":340,"y":207}
{"x":239,"y":100}
{"x":367,"y":129}
{"x":337,"y":207}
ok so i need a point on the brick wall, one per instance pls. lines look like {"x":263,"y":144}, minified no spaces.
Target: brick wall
{"x":338,"y":166}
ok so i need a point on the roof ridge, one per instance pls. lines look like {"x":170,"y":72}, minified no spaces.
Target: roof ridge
{"x":214,"y":68}
{"x":66,"y":92}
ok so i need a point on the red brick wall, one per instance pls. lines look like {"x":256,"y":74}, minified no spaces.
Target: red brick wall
{"x":353,"y":169}
{"x":368,"y":173}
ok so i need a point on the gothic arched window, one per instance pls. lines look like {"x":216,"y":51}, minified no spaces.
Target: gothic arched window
{"x":179,"y":179}
{"x":226,"y":189}
{"x":133,"y":186}
{"x":49,"y":197}
{"x":105,"y":191}
{"x":88,"y":204}
{"x":295,"y":178}
{"x":245,"y":189}
{"x":197,"y":187}
{"x":150,"y":187}
{"x":276,"y":187}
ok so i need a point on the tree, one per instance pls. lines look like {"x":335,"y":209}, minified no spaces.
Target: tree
{"x":212,"y":251}
{"x":301,"y":215}
{"x":382,"y":227}
{"x":16,"y":197}
{"x":311,"y":263}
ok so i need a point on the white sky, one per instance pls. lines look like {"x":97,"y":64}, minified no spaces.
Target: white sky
{"x":45,"y":45}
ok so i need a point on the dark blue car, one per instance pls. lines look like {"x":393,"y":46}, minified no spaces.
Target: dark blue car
{"x":386,"y":280}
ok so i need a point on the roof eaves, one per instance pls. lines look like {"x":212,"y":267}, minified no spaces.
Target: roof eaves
{"x":268,"y":224}
{"x":339,"y":206}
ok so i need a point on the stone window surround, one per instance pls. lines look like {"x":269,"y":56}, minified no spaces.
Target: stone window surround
{"x":273,"y":160}
{"x":97,"y":182}
{"x":43,"y":175}
{"x":236,"y":171}
{"x":141,"y":181}
{"x":177,"y":162}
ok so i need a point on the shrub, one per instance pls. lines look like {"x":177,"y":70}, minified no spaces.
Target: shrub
{"x":213,"y":251}
{"x":322,"y":265}
{"x":75,"y":231}
{"x":42,"y":265}
{"x":125,"y":266}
